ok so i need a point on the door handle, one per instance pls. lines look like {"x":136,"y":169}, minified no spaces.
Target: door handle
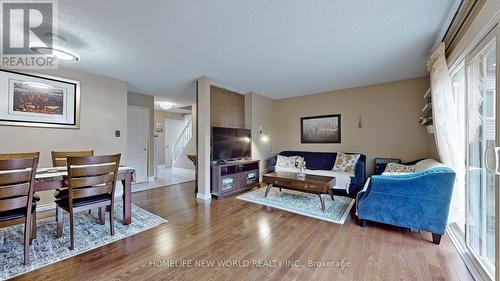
{"x":497,"y":161}
{"x":496,"y":168}
{"x":487,"y":159}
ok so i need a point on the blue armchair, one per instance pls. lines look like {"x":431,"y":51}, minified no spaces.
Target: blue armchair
{"x":419,"y":200}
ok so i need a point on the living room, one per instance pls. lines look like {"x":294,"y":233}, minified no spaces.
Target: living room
{"x":230,"y":140}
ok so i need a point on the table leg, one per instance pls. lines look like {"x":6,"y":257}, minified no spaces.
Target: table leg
{"x":269,"y":186}
{"x":330,"y":191}
{"x":127,"y":199}
{"x":322,"y":202}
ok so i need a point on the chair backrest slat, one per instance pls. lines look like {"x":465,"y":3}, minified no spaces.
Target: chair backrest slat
{"x":94,"y":160}
{"x":17,"y":179}
{"x":59,"y":157}
{"x":91,"y":170}
{"x":15,"y":190}
{"x":14,"y":177}
{"x":88,"y":181}
{"x":21,"y":155}
{"x":92,"y":191}
{"x":15,"y":164}
{"x":13,"y":203}
{"x":92,"y":176}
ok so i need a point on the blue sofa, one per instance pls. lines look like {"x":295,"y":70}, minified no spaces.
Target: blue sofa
{"x":325,"y":161}
{"x":419,"y":200}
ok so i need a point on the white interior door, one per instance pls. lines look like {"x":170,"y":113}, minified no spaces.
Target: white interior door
{"x":171,"y":133}
{"x":138,"y":141}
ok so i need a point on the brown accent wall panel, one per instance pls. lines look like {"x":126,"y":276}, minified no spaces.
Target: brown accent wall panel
{"x":227,"y":108}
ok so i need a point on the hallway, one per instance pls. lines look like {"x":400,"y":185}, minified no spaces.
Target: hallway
{"x":166,"y":176}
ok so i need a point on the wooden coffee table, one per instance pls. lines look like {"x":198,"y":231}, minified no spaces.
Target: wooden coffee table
{"x":310,"y":184}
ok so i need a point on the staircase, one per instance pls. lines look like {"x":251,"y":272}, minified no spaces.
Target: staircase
{"x":185,"y":135}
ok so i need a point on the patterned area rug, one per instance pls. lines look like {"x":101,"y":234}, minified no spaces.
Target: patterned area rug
{"x":46,"y":249}
{"x":301,"y":203}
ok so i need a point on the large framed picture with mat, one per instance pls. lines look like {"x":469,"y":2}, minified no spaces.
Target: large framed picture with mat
{"x":321,"y":129}
{"x":37,"y":100}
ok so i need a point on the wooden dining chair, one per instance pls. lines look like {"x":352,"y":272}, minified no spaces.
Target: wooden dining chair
{"x":91,"y":184}
{"x":17,"y":179}
{"x":59,"y":157}
{"x":59,"y":160}
{"x":22,"y":155}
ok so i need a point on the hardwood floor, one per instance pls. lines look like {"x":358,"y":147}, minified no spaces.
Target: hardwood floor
{"x":236,"y":231}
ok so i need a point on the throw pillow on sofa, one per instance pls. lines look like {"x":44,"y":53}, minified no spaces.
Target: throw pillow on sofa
{"x":285,"y":162}
{"x":395,"y":168}
{"x":345,"y":163}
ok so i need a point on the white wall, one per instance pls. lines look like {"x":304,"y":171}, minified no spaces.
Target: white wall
{"x":160,"y":117}
{"x":183,"y":161}
{"x":203,"y":144}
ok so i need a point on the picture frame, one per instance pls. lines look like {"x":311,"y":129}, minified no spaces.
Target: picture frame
{"x":38,"y":100}
{"x":321,"y":129}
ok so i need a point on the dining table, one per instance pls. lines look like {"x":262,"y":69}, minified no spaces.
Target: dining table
{"x":56,"y":177}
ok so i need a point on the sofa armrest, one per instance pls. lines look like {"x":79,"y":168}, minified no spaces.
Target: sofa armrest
{"x":359,"y":178}
{"x":272,"y":164}
{"x":433,"y":184}
{"x":419,"y":200}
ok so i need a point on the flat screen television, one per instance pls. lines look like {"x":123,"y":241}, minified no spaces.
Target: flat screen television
{"x":231,"y":143}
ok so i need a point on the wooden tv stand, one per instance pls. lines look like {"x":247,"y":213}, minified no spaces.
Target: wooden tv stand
{"x":233,"y":177}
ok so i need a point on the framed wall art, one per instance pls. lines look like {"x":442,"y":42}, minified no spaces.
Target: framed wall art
{"x":320,"y":129}
{"x":37,"y":100}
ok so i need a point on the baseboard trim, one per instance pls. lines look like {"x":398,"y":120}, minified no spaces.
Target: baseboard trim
{"x":184,"y":169}
{"x":45,"y":207}
{"x":204,"y":197}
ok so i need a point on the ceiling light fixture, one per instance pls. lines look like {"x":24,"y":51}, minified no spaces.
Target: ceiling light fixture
{"x":55,"y":49}
{"x":165,"y":105}
{"x":58,"y":52}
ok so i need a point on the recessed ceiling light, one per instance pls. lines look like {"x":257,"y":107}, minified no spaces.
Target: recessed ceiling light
{"x":165,"y":105}
{"x":54,"y":50}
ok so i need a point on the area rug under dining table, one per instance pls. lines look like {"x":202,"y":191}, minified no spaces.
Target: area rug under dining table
{"x":46,"y":249}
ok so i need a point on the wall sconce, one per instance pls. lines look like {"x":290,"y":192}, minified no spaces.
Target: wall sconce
{"x":159,"y":127}
{"x":264,"y":137}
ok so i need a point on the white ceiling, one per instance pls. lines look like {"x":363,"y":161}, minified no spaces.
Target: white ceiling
{"x":277,"y":48}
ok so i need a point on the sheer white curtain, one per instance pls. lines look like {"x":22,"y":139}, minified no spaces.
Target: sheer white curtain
{"x":444,"y":111}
